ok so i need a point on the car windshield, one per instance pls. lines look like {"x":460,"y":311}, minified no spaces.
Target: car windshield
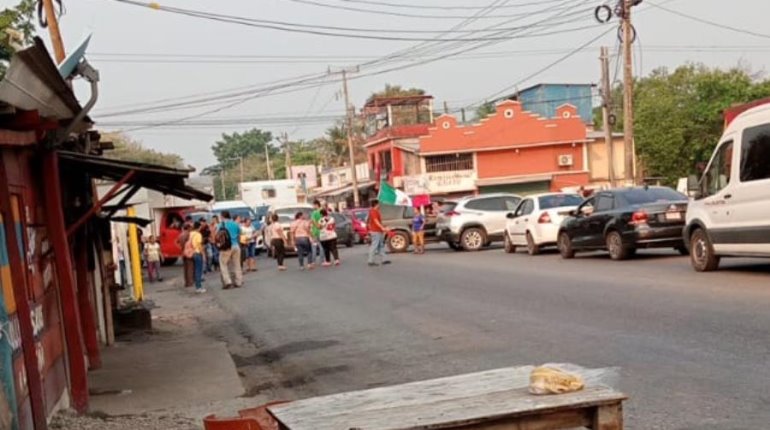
{"x":640,"y":196}
{"x":288,"y":214}
{"x":559,"y":200}
{"x":361,"y":215}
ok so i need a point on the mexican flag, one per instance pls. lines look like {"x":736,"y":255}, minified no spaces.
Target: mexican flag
{"x":391,"y":196}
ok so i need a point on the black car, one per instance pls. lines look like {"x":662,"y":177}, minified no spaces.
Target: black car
{"x":344,"y":228}
{"x":623,"y":220}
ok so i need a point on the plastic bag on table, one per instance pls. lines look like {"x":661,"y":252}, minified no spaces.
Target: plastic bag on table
{"x":562,"y":378}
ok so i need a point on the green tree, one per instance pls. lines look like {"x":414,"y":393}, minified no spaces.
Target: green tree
{"x":16,"y":29}
{"x":231,"y":147}
{"x":128,"y":149}
{"x":484,"y":110}
{"x":678,"y":115}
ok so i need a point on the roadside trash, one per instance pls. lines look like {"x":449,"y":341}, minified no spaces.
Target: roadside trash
{"x":548,"y":380}
{"x":568,"y":378}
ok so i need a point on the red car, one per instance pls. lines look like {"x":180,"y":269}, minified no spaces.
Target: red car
{"x":360,"y":216}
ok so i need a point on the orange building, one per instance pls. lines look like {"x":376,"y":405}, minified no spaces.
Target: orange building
{"x":511,"y":150}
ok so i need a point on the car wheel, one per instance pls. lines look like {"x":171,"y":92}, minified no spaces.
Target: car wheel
{"x":510,"y":248}
{"x":702,"y":255}
{"x":683,"y":250}
{"x":473,"y":239}
{"x":565,"y":246}
{"x":454,"y":246}
{"x":532,"y":247}
{"x":618,"y":251}
{"x":399,"y":242}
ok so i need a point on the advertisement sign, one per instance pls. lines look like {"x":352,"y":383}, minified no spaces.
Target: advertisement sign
{"x":440,"y":182}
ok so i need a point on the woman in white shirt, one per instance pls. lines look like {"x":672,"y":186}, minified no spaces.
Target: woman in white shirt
{"x":328,"y":236}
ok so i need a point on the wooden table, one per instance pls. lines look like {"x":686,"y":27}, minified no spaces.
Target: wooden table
{"x":491,"y":400}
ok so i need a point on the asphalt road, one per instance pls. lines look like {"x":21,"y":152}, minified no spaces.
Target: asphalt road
{"x":693,"y":349}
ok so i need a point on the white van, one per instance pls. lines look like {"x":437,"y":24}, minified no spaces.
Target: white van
{"x":730,"y":213}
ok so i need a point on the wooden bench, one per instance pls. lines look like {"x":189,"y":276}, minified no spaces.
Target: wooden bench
{"x":491,"y":400}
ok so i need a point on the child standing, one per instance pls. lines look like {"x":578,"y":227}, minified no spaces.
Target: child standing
{"x":153,"y":257}
{"x":418,"y":232}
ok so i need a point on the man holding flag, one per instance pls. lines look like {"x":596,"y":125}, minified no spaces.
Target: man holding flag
{"x":377,"y":233}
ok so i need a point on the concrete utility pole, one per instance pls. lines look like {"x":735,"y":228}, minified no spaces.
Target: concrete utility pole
{"x":287,"y":151}
{"x":53,"y":30}
{"x":349,"y":110}
{"x":628,"y":90}
{"x":267,"y":160}
{"x":606,"y":108}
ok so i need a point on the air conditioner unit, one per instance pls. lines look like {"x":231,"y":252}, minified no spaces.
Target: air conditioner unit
{"x":565,"y":160}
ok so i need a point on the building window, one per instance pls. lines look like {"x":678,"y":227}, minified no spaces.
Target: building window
{"x":387,"y":162}
{"x":448,"y":163}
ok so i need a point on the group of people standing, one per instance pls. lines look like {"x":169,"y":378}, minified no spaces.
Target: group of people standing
{"x":308,"y":236}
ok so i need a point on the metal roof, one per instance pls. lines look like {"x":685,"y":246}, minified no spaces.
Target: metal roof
{"x":159,"y":178}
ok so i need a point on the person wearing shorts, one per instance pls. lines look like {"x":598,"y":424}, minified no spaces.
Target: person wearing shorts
{"x":418,"y":232}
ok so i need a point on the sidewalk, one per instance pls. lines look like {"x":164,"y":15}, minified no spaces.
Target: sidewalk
{"x":170,"y":377}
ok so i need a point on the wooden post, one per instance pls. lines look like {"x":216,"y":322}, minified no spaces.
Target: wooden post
{"x":23,"y":308}
{"x":136,"y":261}
{"x":87,"y":319}
{"x":70,"y":316}
{"x":608,"y":417}
{"x":606,"y":106}
{"x":287,"y":151}
{"x":53,"y":30}
{"x":628,"y":91}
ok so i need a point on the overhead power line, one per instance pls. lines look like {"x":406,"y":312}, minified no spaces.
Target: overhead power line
{"x":318,"y":30}
{"x":447,"y":7}
{"x":711,"y":23}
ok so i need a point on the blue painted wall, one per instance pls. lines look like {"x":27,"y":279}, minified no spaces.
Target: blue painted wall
{"x":544,"y":99}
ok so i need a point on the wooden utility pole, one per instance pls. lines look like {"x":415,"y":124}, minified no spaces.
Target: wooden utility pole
{"x":287,"y":151}
{"x":349,"y":112}
{"x":222,"y":179}
{"x":628,"y":90}
{"x":53,"y":30}
{"x":606,"y":108}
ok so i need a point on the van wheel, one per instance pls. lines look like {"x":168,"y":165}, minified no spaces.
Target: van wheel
{"x":618,"y":251}
{"x":510,"y":248}
{"x":473,"y":239}
{"x":565,"y":246}
{"x":702,"y":255}
{"x":532,"y":247}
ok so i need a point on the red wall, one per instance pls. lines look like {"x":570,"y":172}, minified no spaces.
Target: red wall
{"x":528,"y":161}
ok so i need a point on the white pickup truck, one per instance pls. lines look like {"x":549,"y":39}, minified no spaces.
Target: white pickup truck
{"x":729,"y":215}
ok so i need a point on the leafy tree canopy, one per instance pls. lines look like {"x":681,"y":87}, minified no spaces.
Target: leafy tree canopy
{"x":231,"y":147}
{"x":678,"y":115}
{"x":16,"y":29}
{"x":484,"y":110}
{"x":127,"y":149}
{"x":397,"y":91}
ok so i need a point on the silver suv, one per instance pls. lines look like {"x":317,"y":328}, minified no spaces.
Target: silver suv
{"x":476,"y":222}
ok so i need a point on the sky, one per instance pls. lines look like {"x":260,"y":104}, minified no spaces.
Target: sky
{"x":146,"y":55}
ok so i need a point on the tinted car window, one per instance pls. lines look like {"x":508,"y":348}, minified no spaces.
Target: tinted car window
{"x":527,"y":207}
{"x":512,"y":202}
{"x":604,"y":202}
{"x":361,"y":215}
{"x":641,"y":196}
{"x":718,"y":174}
{"x":520,"y":209}
{"x":559,"y":200}
{"x":448,"y":206}
{"x":339,"y":218}
{"x":488,"y":204}
{"x":755,"y":154}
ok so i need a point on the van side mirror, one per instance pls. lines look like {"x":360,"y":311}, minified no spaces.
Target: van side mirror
{"x":510,"y":215}
{"x":573,"y":213}
{"x":693,"y":186}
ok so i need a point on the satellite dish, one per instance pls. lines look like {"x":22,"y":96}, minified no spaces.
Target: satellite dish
{"x":68,"y":66}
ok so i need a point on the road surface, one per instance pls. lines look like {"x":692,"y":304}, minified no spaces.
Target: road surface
{"x":693,"y":349}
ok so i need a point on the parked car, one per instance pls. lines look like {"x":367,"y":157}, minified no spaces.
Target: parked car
{"x":344,"y":228}
{"x":623,"y":220}
{"x":728,"y":216}
{"x":398,"y":219}
{"x":535,"y":223}
{"x":360,"y":216}
{"x":170,"y":225}
{"x":476,"y":222}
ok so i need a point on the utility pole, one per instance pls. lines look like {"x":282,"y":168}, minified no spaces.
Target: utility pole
{"x":628,"y":90}
{"x":349,"y":110}
{"x":267,"y":160}
{"x":287,"y":151}
{"x":53,"y":30}
{"x":222,"y":179}
{"x":606,"y":108}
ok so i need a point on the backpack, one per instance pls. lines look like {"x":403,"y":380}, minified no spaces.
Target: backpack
{"x":222,"y":240}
